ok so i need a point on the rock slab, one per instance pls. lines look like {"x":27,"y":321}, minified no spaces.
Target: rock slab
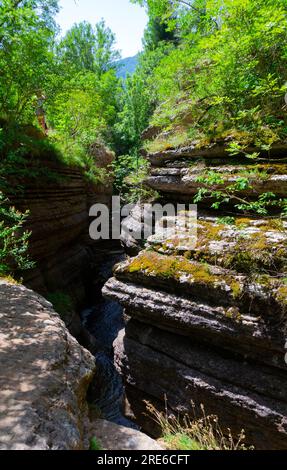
{"x":111,"y":436}
{"x":44,"y":376}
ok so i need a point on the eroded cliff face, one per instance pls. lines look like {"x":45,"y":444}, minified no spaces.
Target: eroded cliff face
{"x":59,"y":221}
{"x":44,"y":376}
{"x":207,"y":324}
{"x":58,"y":199}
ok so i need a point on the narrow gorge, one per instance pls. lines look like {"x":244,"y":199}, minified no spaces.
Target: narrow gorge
{"x":53,"y":390}
{"x":143,"y":227}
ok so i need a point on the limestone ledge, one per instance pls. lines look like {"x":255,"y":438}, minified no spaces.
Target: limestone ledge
{"x":225,"y":327}
{"x":185,"y":183}
{"x":264,"y":297}
{"x":210,"y":152}
{"x":246,"y":245}
{"x":154,"y":367}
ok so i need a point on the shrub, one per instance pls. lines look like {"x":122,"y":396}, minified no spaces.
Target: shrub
{"x":13,"y":240}
{"x":130,"y":172}
{"x":226,"y":80}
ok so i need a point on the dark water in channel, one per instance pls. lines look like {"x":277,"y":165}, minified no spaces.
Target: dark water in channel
{"x":104,"y":321}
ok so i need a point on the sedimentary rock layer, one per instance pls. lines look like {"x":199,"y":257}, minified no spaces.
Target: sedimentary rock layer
{"x":213,"y":151}
{"x":188,"y":180}
{"x":58,"y":220}
{"x":206,"y":302}
{"x":190,"y":352}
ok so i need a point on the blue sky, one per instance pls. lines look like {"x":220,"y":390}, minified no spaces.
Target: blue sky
{"x":126,"y":20}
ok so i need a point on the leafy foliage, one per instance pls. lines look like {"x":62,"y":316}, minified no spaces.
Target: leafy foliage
{"x":57,"y":99}
{"x":84,"y":108}
{"x":26,"y":61}
{"x":227,"y":76}
{"x":129,"y":174}
{"x":68,"y":84}
{"x":220,"y":192}
{"x":88,"y":48}
{"x":223,"y":80}
{"x":136,"y":102}
{"x":13,"y":240}
{"x":134,"y":115}
{"x":95,"y":445}
{"x":211,"y":70}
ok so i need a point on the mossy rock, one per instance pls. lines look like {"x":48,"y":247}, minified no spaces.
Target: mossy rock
{"x":244,"y":245}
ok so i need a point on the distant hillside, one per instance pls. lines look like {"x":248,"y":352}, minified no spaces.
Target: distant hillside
{"x":127,"y":66}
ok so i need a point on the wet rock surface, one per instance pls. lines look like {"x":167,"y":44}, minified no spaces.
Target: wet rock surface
{"x":103,"y":321}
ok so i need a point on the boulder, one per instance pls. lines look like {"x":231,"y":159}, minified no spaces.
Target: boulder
{"x":131,"y":225}
{"x":44,"y":376}
{"x":110,"y":436}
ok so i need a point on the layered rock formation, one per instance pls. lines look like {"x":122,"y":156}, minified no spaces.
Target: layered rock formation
{"x":207,"y":321}
{"x":44,"y":376}
{"x":58,"y":198}
{"x":59,"y":207}
{"x":187,"y":180}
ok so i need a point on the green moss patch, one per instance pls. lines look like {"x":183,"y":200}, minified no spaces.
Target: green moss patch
{"x":181,"y":269}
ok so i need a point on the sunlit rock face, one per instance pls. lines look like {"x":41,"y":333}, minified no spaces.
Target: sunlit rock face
{"x":44,"y":376}
{"x":112,"y":436}
{"x":184,"y":181}
{"x":207,"y":322}
{"x":180,"y":173}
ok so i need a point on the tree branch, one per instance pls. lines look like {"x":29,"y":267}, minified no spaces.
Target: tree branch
{"x":184,"y":2}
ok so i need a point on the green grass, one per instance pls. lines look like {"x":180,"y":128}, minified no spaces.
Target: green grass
{"x":198,"y":433}
{"x":181,"y":441}
{"x":95,"y":445}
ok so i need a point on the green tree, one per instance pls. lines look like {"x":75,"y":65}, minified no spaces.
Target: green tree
{"x":83,"y":109}
{"x":156,"y":32}
{"x":105,"y":55}
{"x":228,"y":73}
{"x":88,"y":48}
{"x":134,"y":115}
{"x":26,"y":61}
{"x":77,"y":49}
{"x":13,"y":240}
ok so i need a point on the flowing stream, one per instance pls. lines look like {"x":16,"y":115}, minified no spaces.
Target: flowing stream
{"x":104,"y":321}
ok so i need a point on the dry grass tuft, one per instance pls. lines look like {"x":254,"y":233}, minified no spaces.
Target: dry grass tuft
{"x":195,"y":434}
